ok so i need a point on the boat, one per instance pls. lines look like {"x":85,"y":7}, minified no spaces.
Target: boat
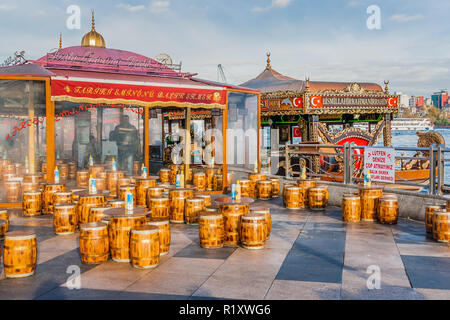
{"x":412,"y":124}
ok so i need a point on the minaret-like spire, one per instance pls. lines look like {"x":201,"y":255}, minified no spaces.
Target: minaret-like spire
{"x":307,"y":83}
{"x":93,"y":21}
{"x":268,"y":61}
{"x":60,"y":41}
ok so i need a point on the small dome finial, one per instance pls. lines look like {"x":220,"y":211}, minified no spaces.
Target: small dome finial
{"x":93,"y":21}
{"x":386,"y":86}
{"x":60,"y":40}
{"x":268,"y":60}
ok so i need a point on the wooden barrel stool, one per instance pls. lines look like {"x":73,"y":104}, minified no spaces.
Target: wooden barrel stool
{"x":253,"y":231}
{"x":30,"y":187}
{"x":83,"y":211}
{"x":217,"y":182}
{"x":268,"y":217}
{"x":101,"y":183}
{"x":284,"y":191}
{"x":122,"y":182}
{"x":144,"y":247}
{"x":294,"y":198}
{"x":441,"y":225}
{"x":232,"y":213}
{"x":49,"y":190}
{"x":10,"y":169}
{"x":205,"y":197}
{"x":4,"y":215}
{"x":95,"y":170}
{"x":121,"y":222}
{"x":255,"y":177}
{"x":19,"y":254}
{"x":115,"y":203}
{"x":72,"y":170}
{"x":75,"y":196}
{"x":2,"y":229}
{"x":351,"y":208}
{"x":210,"y":172}
{"x":369,"y":200}
{"x":211,"y":230}
{"x":62,"y":197}
{"x":306,"y":184}
{"x":82,"y":178}
{"x":192,"y":209}
{"x":177,"y":199}
{"x":123,"y":190}
{"x":264,"y":189}
{"x":94,"y":243}
{"x":387,"y":210}
{"x":98,"y":198}
{"x":111,"y":182}
{"x":65,"y":219}
{"x":32,"y":204}
{"x":9,"y":176}
{"x":97,"y":214}
{"x":142,"y":184}
{"x":318,"y":198}
{"x":429,"y":214}
{"x":63,"y":171}
{"x":275,"y":187}
{"x":32,"y":178}
{"x":174,"y":169}
{"x":154,"y":192}
{"x":12,"y":191}
{"x":164,"y":175}
{"x":163,"y":226}
{"x":199,"y":181}
{"x":160,"y":207}
{"x":247,"y":188}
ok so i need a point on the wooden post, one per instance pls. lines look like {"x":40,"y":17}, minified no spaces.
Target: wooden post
{"x":187,"y":143}
{"x":146,"y":139}
{"x":50,"y":124}
{"x":224,"y":145}
{"x":31,"y":131}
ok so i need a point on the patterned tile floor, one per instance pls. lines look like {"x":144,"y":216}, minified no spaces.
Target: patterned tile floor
{"x":310,"y":255}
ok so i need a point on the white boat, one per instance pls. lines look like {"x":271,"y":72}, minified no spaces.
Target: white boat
{"x":411,"y":124}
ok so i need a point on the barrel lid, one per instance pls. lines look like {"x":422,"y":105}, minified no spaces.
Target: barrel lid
{"x":213,"y":208}
{"x":100,"y":208}
{"x":65,"y":205}
{"x":195,"y":199}
{"x":64,"y":193}
{"x":274,"y":179}
{"x":158,"y":221}
{"x":264,"y":182}
{"x":293,"y":187}
{"x":124,"y":213}
{"x":145,"y":229}
{"x":12,"y":180}
{"x":156,"y":188}
{"x":306,"y":180}
{"x":32,"y":193}
{"x":254,"y":216}
{"x":201,"y":195}
{"x":442,"y":212}
{"x":93,"y":226}
{"x":30,"y":183}
{"x":244,"y":181}
{"x":317,"y":188}
{"x":85,"y":193}
{"x":159,"y":199}
{"x":127,"y":186}
{"x":434,"y":206}
{"x":115,"y":201}
{"x":83,"y":171}
{"x":199,"y":174}
{"x":180,"y":190}
{"x":210,"y":215}
{"x":20,"y":235}
{"x":259,"y":209}
{"x":164,"y":169}
{"x":144,"y":179}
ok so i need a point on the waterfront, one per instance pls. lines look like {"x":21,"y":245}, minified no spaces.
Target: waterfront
{"x":410,"y":138}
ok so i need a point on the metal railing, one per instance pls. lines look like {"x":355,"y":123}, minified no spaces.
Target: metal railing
{"x":415,"y":168}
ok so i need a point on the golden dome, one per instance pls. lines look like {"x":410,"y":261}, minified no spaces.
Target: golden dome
{"x":93,"y":38}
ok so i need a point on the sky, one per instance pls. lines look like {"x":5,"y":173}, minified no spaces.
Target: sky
{"x":326,"y":40}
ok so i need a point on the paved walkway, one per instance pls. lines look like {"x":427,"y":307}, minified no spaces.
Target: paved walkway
{"x":310,"y":255}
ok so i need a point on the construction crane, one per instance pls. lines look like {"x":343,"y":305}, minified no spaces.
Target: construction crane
{"x":220,"y":74}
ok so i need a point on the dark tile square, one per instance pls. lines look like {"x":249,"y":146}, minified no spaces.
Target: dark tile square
{"x":195,"y":251}
{"x":428,"y":272}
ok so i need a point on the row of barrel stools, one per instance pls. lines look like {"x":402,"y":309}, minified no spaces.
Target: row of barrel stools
{"x":306,"y":193}
{"x":437,"y":222}
{"x":370,"y":204}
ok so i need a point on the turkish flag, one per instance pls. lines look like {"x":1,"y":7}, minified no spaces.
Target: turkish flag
{"x":316,"y":101}
{"x":392,"y":102}
{"x":297,"y":102}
